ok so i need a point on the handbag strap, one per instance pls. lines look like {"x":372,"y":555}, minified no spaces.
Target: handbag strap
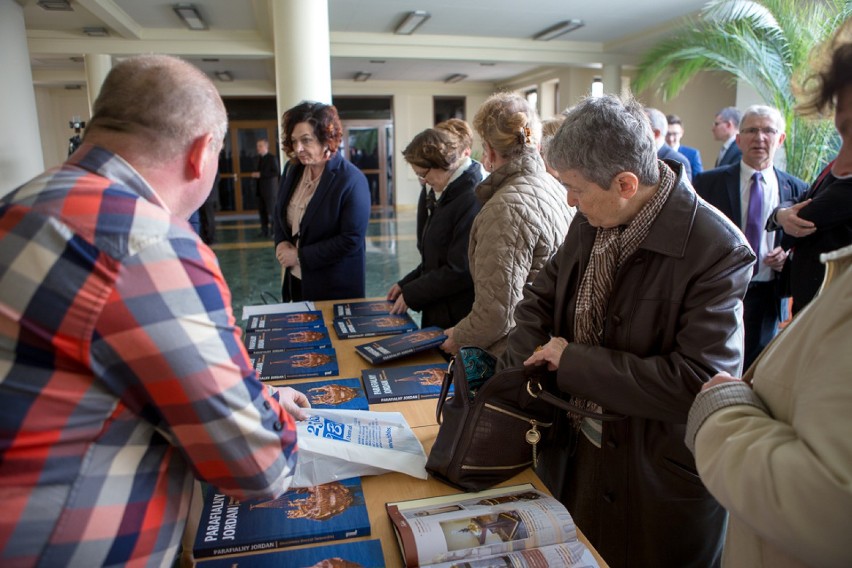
{"x":536,"y":390}
{"x":445,"y":390}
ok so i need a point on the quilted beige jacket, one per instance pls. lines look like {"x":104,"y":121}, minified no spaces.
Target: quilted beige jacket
{"x":523,"y":220}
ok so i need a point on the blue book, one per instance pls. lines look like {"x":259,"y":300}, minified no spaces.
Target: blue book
{"x":370,"y":326}
{"x":361,"y":553}
{"x":284,"y":339}
{"x":401,"y":345}
{"x":295,"y":364}
{"x":411,"y":382}
{"x":366,"y":308}
{"x":332,"y":511}
{"x":284,"y":321}
{"x":336,"y":393}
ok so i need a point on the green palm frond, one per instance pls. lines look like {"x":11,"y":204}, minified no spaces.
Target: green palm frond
{"x":766,"y":44}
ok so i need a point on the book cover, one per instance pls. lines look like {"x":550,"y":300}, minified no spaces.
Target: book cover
{"x":285,"y":339}
{"x":370,"y":326}
{"x":401,"y":345}
{"x":411,"y":382}
{"x":295,"y":364}
{"x":366,"y":308}
{"x":332,"y":511}
{"x":284,"y":321}
{"x":336,"y":393}
{"x":516,"y":526}
{"x":358,"y":554}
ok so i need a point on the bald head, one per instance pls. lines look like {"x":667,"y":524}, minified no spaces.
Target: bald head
{"x":161,"y":104}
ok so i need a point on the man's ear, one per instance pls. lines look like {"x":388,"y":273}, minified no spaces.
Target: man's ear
{"x":199,"y":152}
{"x":627,"y":184}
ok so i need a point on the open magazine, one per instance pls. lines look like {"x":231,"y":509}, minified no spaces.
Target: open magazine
{"x":516,"y":526}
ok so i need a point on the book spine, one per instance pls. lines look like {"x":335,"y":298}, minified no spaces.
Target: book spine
{"x":234,"y":549}
{"x":399,"y":397}
{"x":256,"y":351}
{"x":305,"y":375}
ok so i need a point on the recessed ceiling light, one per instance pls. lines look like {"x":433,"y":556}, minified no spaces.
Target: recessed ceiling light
{"x":559,"y":29}
{"x":360,"y":76}
{"x":190,"y":16}
{"x":487,"y":64}
{"x":55,"y":5}
{"x":96,"y":32}
{"x":224,"y":76}
{"x":378,"y":61}
{"x":455,"y":78}
{"x":411,"y":22}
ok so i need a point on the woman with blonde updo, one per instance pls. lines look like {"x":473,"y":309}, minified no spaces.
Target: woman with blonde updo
{"x":440,"y":286}
{"x":523,"y":220}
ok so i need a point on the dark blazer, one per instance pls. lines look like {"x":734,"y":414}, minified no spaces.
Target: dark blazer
{"x":732,"y":156}
{"x":721,"y":188}
{"x":672,"y":322}
{"x":333,"y":230}
{"x":831,"y":212}
{"x":666,"y":152}
{"x":441,"y":286}
{"x":694,"y":157}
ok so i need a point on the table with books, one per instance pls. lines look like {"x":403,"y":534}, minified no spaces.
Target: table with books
{"x":343,"y":378}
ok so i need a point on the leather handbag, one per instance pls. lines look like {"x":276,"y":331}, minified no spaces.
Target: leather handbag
{"x":491,"y":425}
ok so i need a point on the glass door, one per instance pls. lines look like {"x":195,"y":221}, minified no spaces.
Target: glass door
{"x":368,"y":144}
{"x":237,"y":189}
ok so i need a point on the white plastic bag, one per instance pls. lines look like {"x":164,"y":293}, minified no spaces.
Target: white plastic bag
{"x":339,"y":444}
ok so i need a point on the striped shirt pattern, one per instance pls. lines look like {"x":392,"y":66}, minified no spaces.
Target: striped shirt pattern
{"x":122,"y":374}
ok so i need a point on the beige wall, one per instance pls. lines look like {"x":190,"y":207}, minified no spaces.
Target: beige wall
{"x":55,"y":108}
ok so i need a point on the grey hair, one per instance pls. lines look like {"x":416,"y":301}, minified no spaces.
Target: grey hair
{"x":604,"y":136}
{"x":163,"y":101}
{"x":658,"y":120}
{"x":732,"y":115}
{"x":764,"y":111}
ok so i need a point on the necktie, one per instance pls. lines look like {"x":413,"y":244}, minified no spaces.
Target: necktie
{"x":754,"y":219}
{"x":430,"y":201}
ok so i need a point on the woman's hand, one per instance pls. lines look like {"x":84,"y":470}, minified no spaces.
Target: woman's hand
{"x":719,"y":379}
{"x":450,"y":346}
{"x":287,"y":254}
{"x":549,"y":353}
{"x":394,"y":292}
{"x":792,"y":224}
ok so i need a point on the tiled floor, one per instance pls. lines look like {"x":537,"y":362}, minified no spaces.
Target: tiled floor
{"x":254,"y":276}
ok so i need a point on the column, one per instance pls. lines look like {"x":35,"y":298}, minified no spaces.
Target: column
{"x":98,"y":66}
{"x":302,"y":52}
{"x":21,"y":156}
{"x":611,"y":75}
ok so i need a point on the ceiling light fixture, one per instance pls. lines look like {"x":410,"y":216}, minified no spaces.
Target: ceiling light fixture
{"x":96,"y":32}
{"x":55,"y":5}
{"x":224,"y":76}
{"x":559,"y":29}
{"x":360,"y":76}
{"x":411,"y":22}
{"x":190,"y":16}
{"x":455,"y":78}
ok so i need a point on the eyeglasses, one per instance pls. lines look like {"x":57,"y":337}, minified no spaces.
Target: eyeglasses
{"x":304,"y":141}
{"x":422,"y":176}
{"x":753,"y":131}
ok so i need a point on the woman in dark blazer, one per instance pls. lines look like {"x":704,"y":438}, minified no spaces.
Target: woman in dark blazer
{"x":440,"y":286}
{"x":322,"y":210}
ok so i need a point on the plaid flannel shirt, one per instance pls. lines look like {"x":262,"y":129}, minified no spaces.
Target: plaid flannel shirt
{"x":122,"y":374}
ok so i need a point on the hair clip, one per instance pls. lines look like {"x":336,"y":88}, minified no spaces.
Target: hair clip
{"x":524,"y":135}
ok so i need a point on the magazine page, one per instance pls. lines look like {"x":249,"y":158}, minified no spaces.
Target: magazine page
{"x":569,"y":555}
{"x":475,"y":526}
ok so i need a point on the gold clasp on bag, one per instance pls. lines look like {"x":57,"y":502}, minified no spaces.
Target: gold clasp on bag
{"x":533,"y":436}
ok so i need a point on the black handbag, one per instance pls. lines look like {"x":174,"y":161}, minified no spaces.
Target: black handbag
{"x":491,"y":426}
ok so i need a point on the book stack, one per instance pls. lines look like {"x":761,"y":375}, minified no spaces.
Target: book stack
{"x":350,"y":327}
{"x":362,"y":553}
{"x":332,"y":511}
{"x":290,"y":346}
{"x":411,"y":382}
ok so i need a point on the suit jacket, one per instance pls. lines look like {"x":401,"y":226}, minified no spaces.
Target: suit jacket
{"x":267,"y":166}
{"x":721,"y":188}
{"x":332,"y":233}
{"x":694,"y":157}
{"x":732,"y":156}
{"x":666,"y":152}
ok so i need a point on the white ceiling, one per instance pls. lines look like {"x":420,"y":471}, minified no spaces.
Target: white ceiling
{"x":488,"y":40}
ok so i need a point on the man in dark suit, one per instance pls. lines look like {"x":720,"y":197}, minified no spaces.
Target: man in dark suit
{"x":267,"y":184}
{"x":726,"y":126}
{"x":673,"y":137}
{"x":748,"y":192}
{"x":660,"y":127}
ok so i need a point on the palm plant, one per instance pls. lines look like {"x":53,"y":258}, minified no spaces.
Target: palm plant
{"x":765,"y":43}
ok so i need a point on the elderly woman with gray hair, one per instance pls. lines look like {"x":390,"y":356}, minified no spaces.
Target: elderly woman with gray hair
{"x":523,"y":220}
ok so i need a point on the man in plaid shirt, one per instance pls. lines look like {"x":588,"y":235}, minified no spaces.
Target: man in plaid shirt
{"x":122,"y":374}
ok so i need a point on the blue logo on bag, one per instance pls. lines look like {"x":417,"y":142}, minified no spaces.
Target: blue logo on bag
{"x":325,"y":428}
